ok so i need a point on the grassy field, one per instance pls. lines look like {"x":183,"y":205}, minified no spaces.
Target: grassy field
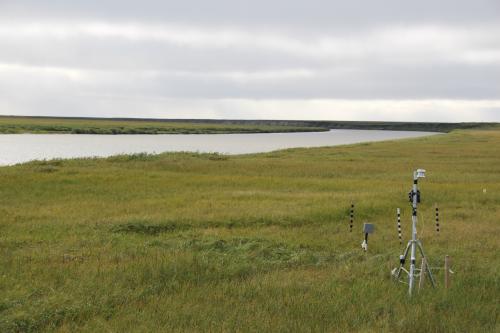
{"x":253,"y":243}
{"x":362,"y":125}
{"x":15,"y":125}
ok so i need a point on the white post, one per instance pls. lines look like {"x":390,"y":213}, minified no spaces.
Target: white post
{"x":399,"y":226}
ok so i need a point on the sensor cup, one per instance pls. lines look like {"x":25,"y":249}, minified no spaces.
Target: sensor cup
{"x":420,"y":173}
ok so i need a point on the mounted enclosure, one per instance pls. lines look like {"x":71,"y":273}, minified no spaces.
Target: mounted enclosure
{"x":368,"y":228}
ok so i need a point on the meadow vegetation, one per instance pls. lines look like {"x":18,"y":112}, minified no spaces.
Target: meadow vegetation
{"x":44,"y":125}
{"x":16,"y":125}
{"x":205,"y":242}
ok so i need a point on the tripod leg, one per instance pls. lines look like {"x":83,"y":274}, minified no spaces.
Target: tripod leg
{"x":402,"y":259}
{"x":411,"y":279}
{"x":431,"y":277}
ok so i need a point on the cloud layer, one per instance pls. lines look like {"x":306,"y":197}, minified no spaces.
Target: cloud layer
{"x":301,"y":60}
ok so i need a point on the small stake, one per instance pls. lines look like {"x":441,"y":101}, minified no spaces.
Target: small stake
{"x":423,"y":269}
{"x":447,"y":263}
{"x":364,"y":245}
{"x":368,"y":228}
{"x":352,"y":218}
{"x":399,"y":227}
{"x":437,"y":219}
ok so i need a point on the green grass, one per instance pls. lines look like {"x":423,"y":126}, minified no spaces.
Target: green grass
{"x":205,"y":242}
{"x":15,"y":124}
{"x":39,"y":125}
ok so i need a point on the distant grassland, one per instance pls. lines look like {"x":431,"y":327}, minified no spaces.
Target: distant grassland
{"x":14,"y":125}
{"x":361,"y":125}
{"x":185,"y":242}
{"x":11,"y":125}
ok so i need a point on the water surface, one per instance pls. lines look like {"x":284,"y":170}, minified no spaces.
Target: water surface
{"x":18,"y":148}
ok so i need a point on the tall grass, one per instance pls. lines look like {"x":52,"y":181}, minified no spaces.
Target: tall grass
{"x":203,"y":242}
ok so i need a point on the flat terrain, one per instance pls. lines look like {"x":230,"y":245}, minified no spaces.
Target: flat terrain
{"x":15,"y":125}
{"x":203,"y":242}
{"x":12,"y":124}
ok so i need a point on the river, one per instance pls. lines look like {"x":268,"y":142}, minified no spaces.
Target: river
{"x":19,"y":148}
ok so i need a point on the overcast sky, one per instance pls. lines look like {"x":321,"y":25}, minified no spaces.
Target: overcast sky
{"x":309,"y":59}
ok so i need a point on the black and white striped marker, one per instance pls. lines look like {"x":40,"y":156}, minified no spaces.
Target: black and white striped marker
{"x":399,"y":226}
{"x":437,"y":219}
{"x":352,"y":218}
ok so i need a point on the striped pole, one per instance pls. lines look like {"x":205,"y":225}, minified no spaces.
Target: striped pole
{"x":437,"y":219}
{"x":352,"y":218}
{"x":399,"y":226}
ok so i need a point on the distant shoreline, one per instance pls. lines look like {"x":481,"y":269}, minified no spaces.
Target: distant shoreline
{"x":91,"y":125}
{"x":103,"y":126}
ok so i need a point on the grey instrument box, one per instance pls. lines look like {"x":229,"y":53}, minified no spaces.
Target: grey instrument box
{"x":368,"y":228}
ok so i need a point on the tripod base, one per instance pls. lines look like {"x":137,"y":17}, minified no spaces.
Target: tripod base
{"x":412,"y":273}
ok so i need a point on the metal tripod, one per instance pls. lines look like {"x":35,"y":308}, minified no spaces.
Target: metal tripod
{"x":414,"y":243}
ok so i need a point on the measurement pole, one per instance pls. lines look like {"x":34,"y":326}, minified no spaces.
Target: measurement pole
{"x":352,"y":218}
{"x":399,"y":226}
{"x":437,"y":219}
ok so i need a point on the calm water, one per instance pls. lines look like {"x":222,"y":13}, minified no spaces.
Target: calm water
{"x":17,"y":148}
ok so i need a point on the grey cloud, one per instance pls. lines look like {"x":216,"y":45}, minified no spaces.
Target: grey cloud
{"x":94,"y":57}
{"x":448,"y":82}
{"x":306,"y":14}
